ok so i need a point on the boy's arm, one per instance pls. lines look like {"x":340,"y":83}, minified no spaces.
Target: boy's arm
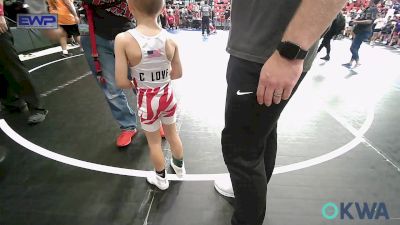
{"x":71,"y":8}
{"x":176,"y":65}
{"x":121,"y":63}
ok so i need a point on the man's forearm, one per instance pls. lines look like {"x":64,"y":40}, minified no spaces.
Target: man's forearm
{"x":311,"y":20}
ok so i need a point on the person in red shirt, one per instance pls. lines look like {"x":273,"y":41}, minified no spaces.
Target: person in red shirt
{"x":177,"y":17}
{"x":171,"y":21}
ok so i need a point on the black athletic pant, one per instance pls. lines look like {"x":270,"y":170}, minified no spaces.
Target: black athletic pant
{"x":249,"y":141}
{"x":205,"y":24}
{"x":326,"y":42}
{"x":14,"y":77}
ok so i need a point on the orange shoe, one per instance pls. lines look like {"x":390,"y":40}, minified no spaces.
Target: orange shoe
{"x":162,"y":132}
{"x":125,"y":138}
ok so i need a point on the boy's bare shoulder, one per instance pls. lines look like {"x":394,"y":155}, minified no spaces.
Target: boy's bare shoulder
{"x":122,"y":37}
{"x":171,"y":43}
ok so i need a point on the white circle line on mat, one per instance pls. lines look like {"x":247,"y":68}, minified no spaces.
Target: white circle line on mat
{"x":189,"y":177}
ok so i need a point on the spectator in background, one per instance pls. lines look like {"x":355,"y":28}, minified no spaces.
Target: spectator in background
{"x":171,"y":20}
{"x":227,"y":15}
{"x":111,"y":18}
{"x":205,"y":13}
{"x":16,"y":87}
{"x":177,"y":17}
{"x":68,"y":20}
{"x":387,"y":31}
{"x":362,"y":31}
{"x":163,"y":18}
{"x":388,"y":4}
{"x":395,"y":35}
{"x":336,"y":28}
{"x":377,"y":31}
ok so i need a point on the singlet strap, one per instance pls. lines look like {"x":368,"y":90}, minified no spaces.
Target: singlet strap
{"x":142,"y":39}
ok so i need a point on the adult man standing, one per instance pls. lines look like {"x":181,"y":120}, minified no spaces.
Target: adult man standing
{"x":111,"y":17}
{"x":16,"y":87}
{"x":362,"y":31}
{"x":205,"y":12}
{"x":268,"y":43}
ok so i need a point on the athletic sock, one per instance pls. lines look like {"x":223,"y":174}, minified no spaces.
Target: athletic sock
{"x":177,"y":162}
{"x":161,"y":173}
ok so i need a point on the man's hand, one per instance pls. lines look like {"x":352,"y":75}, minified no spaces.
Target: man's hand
{"x":277,"y":79}
{"x":3,"y":25}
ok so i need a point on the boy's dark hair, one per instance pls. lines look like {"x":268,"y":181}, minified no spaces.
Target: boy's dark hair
{"x":149,"y":7}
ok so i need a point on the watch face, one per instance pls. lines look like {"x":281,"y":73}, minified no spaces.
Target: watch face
{"x":289,"y":50}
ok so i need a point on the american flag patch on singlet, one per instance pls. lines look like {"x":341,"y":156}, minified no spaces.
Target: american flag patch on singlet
{"x":154,"y":53}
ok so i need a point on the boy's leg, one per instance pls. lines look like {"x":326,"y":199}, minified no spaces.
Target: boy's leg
{"x":172,"y":136}
{"x":156,"y":154}
{"x":159,"y":177}
{"x":63,"y":41}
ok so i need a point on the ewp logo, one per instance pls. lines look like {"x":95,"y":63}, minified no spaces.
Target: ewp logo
{"x":38,"y":21}
{"x":375,"y":211}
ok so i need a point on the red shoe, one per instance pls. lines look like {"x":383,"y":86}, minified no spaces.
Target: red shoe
{"x":162,"y":132}
{"x":125,"y":138}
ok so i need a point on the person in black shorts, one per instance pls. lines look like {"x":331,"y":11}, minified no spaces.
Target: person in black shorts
{"x":68,"y":20}
{"x":72,"y":31}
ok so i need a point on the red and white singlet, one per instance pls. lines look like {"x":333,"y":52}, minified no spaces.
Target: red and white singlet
{"x":156,"y":101}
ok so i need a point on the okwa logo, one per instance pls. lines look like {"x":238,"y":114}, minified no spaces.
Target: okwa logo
{"x":355,"y":210}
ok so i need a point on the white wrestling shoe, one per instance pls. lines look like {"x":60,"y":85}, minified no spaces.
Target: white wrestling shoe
{"x":179,"y":171}
{"x":161,"y":183}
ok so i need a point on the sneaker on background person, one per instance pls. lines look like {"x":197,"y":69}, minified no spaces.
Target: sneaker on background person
{"x":37,"y":116}
{"x":125,"y":138}
{"x":326,"y":58}
{"x":223,"y":186}
{"x":66,"y":54}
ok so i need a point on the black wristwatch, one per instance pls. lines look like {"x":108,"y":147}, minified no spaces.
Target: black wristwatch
{"x":291,"y":51}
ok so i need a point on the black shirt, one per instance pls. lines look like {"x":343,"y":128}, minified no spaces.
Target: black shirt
{"x":227,"y":14}
{"x":369,"y":13}
{"x":107,"y":25}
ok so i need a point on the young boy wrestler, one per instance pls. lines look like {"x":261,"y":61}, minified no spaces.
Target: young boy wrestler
{"x":154,"y":61}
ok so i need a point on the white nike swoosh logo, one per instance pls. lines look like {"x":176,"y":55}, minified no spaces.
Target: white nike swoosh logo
{"x":243,"y":93}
